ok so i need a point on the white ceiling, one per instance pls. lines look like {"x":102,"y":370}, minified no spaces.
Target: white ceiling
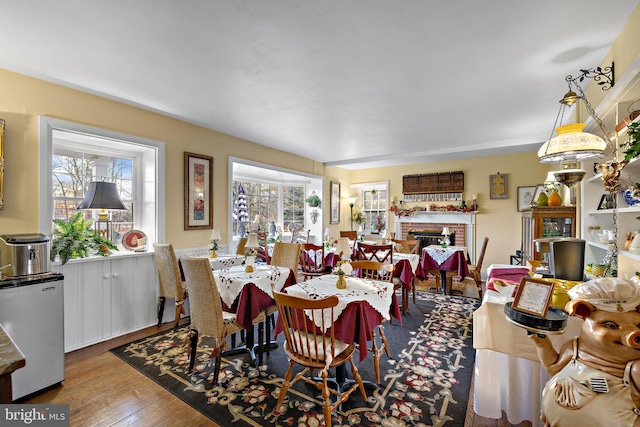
{"x":358,"y":83}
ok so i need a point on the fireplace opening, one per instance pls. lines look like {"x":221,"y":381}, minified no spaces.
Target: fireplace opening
{"x":429,"y":237}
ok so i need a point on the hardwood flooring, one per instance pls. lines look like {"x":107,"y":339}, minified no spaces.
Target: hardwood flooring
{"x":104,"y":391}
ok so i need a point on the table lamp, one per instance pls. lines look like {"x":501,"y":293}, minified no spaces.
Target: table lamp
{"x":343,"y":248}
{"x":445,"y":233}
{"x":102,"y":196}
{"x":251,"y":251}
{"x":256,"y":222}
{"x":386,"y":237}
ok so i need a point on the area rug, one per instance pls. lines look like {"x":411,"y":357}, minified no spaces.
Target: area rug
{"x":426,"y":383}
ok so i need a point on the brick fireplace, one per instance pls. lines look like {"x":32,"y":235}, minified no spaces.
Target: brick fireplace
{"x":462,"y":224}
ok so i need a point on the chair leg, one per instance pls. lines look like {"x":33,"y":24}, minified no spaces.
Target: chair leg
{"x":326,"y":404}
{"x":161,"y":301}
{"x":179,"y":309}
{"x":267,"y":328}
{"x":193,"y":346}
{"x":216,"y":369}
{"x":285,"y":387}
{"x":261,"y":341}
{"x":358,"y":380}
{"x":383,"y":338}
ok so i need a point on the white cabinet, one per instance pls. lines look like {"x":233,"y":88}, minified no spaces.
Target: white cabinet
{"x":105,"y":297}
{"x":612,"y":110}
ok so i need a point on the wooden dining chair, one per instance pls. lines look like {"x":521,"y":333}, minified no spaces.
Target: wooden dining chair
{"x":170,"y":281}
{"x":312,"y":260}
{"x":475,"y":271}
{"x":298,"y":235}
{"x":207,"y":316}
{"x":376,"y":270}
{"x":263,"y":251}
{"x":314,"y":349}
{"x":375,"y":252}
{"x":352,"y":235}
{"x":411,"y":246}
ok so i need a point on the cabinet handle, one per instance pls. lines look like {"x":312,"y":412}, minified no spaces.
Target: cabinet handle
{"x":106,"y":276}
{"x":116,"y":275}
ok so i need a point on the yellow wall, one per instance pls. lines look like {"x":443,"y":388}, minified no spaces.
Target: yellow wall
{"x":497,"y":219}
{"x":23,"y":99}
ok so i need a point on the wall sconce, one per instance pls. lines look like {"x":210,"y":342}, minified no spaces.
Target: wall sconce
{"x":571,"y":145}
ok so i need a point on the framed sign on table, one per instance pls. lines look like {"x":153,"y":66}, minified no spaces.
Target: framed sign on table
{"x":198,"y":191}
{"x":335,"y":202}
{"x":525,"y":197}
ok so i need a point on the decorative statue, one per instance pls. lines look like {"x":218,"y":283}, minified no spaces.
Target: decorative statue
{"x":596,"y":377}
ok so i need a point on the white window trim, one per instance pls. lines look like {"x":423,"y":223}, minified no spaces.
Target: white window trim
{"x":151,"y":188}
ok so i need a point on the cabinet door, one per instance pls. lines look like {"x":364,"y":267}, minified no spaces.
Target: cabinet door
{"x":96,"y":301}
{"x":72,"y":290}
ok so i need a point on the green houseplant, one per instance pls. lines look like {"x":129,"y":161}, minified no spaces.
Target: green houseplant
{"x":74,"y":238}
{"x":632,"y":146}
{"x":313,"y":200}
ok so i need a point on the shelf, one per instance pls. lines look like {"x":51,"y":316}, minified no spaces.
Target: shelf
{"x":605,"y":246}
{"x":596,"y":177}
{"x":629,"y":255}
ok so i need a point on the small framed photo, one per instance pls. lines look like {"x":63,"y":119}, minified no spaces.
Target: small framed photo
{"x":607,"y":201}
{"x":533,"y":296}
{"x":525,"y":197}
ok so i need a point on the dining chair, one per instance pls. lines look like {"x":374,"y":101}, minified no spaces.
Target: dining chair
{"x":376,"y":270}
{"x":284,"y":255}
{"x":410,"y":246}
{"x":298,"y":235}
{"x":314,"y":348}
{"x":170,"y":281}
{"x":207,"y":316}
{"x":352,"y":235}
{"x":375,"y":252}
{"x":475,"y":270}
{"x":312,"y":260}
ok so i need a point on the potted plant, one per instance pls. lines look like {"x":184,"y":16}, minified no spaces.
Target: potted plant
{"x":74,"y":238}
{"x":313,"y":200}
{"x":632,"y":146}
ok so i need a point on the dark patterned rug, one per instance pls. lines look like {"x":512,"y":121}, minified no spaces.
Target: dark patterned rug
{"x":426,"y":384}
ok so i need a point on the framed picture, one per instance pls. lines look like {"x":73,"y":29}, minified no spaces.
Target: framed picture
{"x":499,"y":186}
{"x":198,"y":191}
{"x":334,"y":202}
{"x":533,"y":296}
{"x":607,"y":201}
{"x":525,"y":197}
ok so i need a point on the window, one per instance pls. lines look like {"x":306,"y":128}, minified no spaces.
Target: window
{"x":374,"y":206}
{"x":73,"y":155}
{"x":276,"y":194}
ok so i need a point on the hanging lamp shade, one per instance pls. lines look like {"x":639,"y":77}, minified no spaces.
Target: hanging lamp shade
{"x":572,"y":144}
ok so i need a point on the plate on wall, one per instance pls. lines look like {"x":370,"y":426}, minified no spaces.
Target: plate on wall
{"x":130,"y":239}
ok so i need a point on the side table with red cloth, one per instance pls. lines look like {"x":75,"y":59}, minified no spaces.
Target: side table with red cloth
{"x":362,"y":307}
{"x":454,"y":259}
{"x":505,"y":272}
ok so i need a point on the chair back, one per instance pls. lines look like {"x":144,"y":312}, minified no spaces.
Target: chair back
{"x":305,"y":342}
{"x":476,"y":270}
{"x":311,"y":259}
{"x":204,"y":298}
{"x":374,"y":270}
{"x":169,"y":276}
{"x":286,"y":255}
{"x":240,"y":249}
{"x":352,"y":235}
{"x":380,"y":253}
{"x":407,"y":246}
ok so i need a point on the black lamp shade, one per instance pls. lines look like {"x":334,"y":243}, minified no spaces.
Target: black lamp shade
{"x":102,"y":195}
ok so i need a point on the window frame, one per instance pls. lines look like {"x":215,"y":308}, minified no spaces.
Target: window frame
{"x":149,"y":207}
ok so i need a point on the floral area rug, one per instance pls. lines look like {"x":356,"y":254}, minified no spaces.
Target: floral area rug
{"x":426,"y":383}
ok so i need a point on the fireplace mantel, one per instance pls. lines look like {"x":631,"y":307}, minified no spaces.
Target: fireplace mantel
{"x":468,"y":219}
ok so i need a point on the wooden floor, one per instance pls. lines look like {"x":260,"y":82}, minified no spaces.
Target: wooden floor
{"x":104,"y":391}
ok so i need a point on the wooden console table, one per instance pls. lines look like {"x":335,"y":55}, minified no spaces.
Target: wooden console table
{"x":11,"y":358}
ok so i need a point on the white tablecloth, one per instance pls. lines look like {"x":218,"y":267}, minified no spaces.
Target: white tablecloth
{"x":225,"y":261}
{"x":230,"y":281}
{"x":377,"y":294}
{"x":414,"y":259}
{"x":508,"y":376}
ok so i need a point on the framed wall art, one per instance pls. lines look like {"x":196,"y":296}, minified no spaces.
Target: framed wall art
{"x":334,"y":200}
{"x":198,"y":191}
{"x":499,"y":186}
{"x":525,"y":197}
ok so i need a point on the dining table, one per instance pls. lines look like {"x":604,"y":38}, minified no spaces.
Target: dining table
{"x":223,"y":260}
{"x":444,"y":259}
{"x":248,"y":293}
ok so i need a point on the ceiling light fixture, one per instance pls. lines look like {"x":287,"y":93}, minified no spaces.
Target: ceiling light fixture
{"x":571,"y":145}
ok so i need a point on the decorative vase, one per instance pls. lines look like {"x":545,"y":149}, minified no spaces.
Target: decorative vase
{"x":629,"y":198}
{"x":213,"y":254}
{"x":241,"y":230}
{"x":635,"y":244}
{"x":554,"y":199}
{"x":341,"y":283}
{"x":272,"y":228}
{"x":249,"y":262}
{"x":543,"y":200}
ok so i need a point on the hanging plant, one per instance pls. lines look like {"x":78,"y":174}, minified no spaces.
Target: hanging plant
{"x":313,"y":200}
{"x":632,"y":146}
